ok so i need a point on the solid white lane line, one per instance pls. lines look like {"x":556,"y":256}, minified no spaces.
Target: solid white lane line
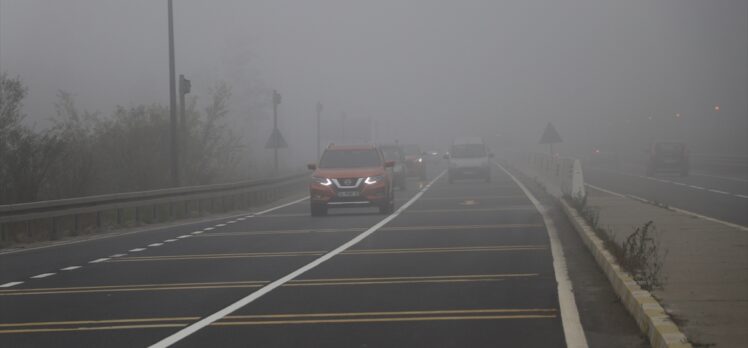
{"x":572,"y":326}
{"x":183,"y":333}
{"x":682,"y":211}
{"x":43,"y":275}
{"x":155,"y":244}
{"x":718,"y":191}
{"x":741,"y":196}
{"x":99,"y":260}
{"x":184,"y":236}
{"x":696,"y":187}
{"x":117,"y":255}
{"x":7,"y":285}
{"x":70,"y":268}
{"x":170,"y":240}
{"x":136,"y":250}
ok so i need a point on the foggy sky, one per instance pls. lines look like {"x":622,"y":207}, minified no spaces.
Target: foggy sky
{"x":424,"y":70}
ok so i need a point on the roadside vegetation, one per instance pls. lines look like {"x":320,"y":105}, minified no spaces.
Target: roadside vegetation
{"x":640,"y":253}
{"x":87,"y":153}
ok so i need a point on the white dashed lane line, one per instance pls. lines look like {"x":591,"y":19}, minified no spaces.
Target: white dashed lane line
{"x":70,"y":268}
{"x":696,"y":187}
{"x":718,"y":191}
{"x":7,"y":285}
{"x":742,"y":196}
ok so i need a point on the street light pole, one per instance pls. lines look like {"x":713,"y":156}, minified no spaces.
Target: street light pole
{"x":173,"y":103}
{"x":319,"y":117}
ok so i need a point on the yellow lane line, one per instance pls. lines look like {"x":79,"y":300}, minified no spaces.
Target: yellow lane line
{"x":457,"y":228}
{"x":94,"y":322}
{"x":289,"y":318}
{"x":461,"y":210}
{"x":94,"y":328}
{"x":313,"y":253}
{"x":500,"y":275}
{"x":106,"y":287}
{"x":478,"y":198}
{"x":256,"y":284}
{"x":424,"y":312}
{"x":375,"y":320}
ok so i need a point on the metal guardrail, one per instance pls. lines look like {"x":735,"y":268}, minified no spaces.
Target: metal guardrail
{"x":56,"y":219}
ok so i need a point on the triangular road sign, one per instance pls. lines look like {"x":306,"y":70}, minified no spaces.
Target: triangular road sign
{"x":550,"y":136}
{"x":276,"y":141}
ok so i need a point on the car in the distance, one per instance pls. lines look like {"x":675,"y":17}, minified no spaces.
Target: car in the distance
{"x":668,"y":157}
{"x":469,"y":158}
{"x":603,"y":157}
{"x":394,"y":152}
{"x":351,"y":176}
{"x":414,"y":161}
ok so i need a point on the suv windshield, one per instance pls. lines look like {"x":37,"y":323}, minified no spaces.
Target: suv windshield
{"x":350,"y":159}
{"x":392,"y":153}
{"x":468,"y":151}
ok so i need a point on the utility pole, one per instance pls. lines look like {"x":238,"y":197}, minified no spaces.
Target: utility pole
{"x":319,"y":113}
{"x":173,"y":103}
{"x":185,"y":86}
{"x":276,"y":101}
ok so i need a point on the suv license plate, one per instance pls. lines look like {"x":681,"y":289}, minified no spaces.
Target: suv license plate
{"x":348,"y":194}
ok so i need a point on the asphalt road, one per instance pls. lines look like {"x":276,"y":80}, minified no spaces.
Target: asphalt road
{"x":716,"y":195}
{"x":466,"y":265}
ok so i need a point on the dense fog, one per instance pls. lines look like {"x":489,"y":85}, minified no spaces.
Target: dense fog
{"x":615,"y":74}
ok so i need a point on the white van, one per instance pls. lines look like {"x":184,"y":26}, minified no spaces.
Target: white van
{"x":469,"y":158}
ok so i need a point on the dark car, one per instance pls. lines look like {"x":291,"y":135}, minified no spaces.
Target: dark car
{"x":414,"y":162}
{"x":393,"y":152}
{"x":668,"y":157}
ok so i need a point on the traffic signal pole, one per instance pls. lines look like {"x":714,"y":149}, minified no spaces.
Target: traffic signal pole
{"x":173,"y":103}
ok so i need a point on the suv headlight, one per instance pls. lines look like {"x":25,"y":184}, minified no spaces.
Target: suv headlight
{"x":373,"y":179}
{"x":322,"y":181}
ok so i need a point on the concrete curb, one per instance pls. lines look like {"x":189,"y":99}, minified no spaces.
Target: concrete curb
{"x":652,"y":319}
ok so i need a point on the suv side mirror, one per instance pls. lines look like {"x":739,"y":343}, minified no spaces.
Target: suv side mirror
{"x":389,"y":164}
{"x":311,"y":166}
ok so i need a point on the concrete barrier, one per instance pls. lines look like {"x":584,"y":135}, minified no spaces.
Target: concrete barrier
{"x":561,"y":176}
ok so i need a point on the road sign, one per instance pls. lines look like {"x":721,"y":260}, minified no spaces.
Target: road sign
{"x":276,"y":141}
{"x":550,"y":136}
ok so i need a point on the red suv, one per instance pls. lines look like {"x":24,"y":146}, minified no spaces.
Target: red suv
{"x":351,"y":176}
